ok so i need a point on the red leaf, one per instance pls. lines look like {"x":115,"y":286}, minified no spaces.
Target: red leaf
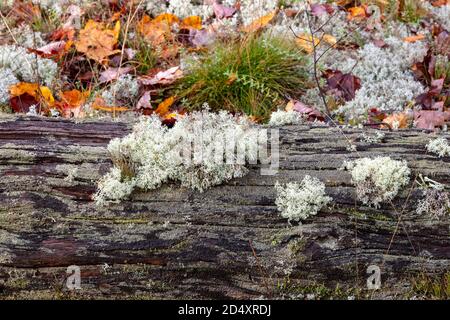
{"x":310,"y":113}
{"x":321,"y":9}
{"x":429,"y":120}
{"x":344,"y":84}
{"x":22,"y":103}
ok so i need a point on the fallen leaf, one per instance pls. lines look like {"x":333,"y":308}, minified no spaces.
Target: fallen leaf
{"x":415,"y":38}
{"x":397,"y":120}
{"x":321,"y":9}
{"x":155,"y":31}
{"x":99,"y":104}
{"x":192,"y":22}
{"x":168,"y":18}
{"x":111,"y":74}
{"x":357,"y":13}
{"x":97,"y":41}
{"x":223,"y":12}
{"x":305,"y":41}
{"x":41,"y":94}
{"x":430,"y":119}
{"x":201,"y":38}
{"x":163,"y":107}
{"x":71,"y":103}
{"x":54,"y":49}
{"x":74,"y":98}
{"x":343,"y":85}
{"x":308,"y":112}
{"x":164,"y":77}
{"x":260,"y":22}
{"x":440,"y":3}
{"x":144,"y":104}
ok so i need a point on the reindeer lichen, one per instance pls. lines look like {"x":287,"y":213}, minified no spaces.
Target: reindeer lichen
{"x":300,"y":201}
{"x":378,"y":180}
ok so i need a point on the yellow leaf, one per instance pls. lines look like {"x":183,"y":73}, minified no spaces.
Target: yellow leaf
{"x":41,"y":94}
{"x":163,"y":107}
{"x":290,"y":106}
{"x":192,"y":22}
{"x":97,"y":41}
{"x":167,"y":18}
{"x":116,"y":30}
{"x":305,"y":42}
{"x":260,"y":23}
{"x":328,"y":38}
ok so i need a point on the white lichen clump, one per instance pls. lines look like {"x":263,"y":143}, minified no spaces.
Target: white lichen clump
{"x":154,"y":154}
{"x":7,"y":79}
{"x":122,"y":92}
{"x":378,"y":180}
{"x":299,"y":201}
{"x":27,"y":66}
{"x":439,"y":146}
{"x":281,"y":118}
{"x":386,"y":80}
{"x":436,"y":201}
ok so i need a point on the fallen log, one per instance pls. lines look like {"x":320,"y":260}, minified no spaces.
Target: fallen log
{"x":228,"y":242}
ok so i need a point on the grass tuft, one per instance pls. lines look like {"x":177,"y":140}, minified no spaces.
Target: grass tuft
{"x":254,"y":75}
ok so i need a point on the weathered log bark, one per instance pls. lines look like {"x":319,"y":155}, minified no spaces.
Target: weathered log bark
{"x":228,"y":242}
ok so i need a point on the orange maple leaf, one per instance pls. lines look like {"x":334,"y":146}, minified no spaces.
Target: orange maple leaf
{"x":260,"y":22}
{"x":97,"y":41}
{"x":357,"y":13}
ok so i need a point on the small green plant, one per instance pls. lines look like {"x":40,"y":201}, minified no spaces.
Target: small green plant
{"x":252,"y":75}
{"x":46,"y":21}
{"x":409,"y":11}
{"x":146,"y":57}
{"x":432,"y":287}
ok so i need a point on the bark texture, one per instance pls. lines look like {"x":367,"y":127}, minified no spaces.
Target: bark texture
{"x":228,"y":242}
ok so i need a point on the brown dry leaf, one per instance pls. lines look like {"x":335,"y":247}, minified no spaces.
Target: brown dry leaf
{"x":163,"y":107}
{"x":97,"y":41}
{"x":192,"y":22}
{"x":397,"y":120}
{"x":415,"y":38}
{"x":156,"y":31}
{"x":260,"y":23}
{"x":41,"y":94}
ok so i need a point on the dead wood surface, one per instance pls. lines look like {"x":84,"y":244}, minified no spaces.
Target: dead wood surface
{"x":228,"y":242}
